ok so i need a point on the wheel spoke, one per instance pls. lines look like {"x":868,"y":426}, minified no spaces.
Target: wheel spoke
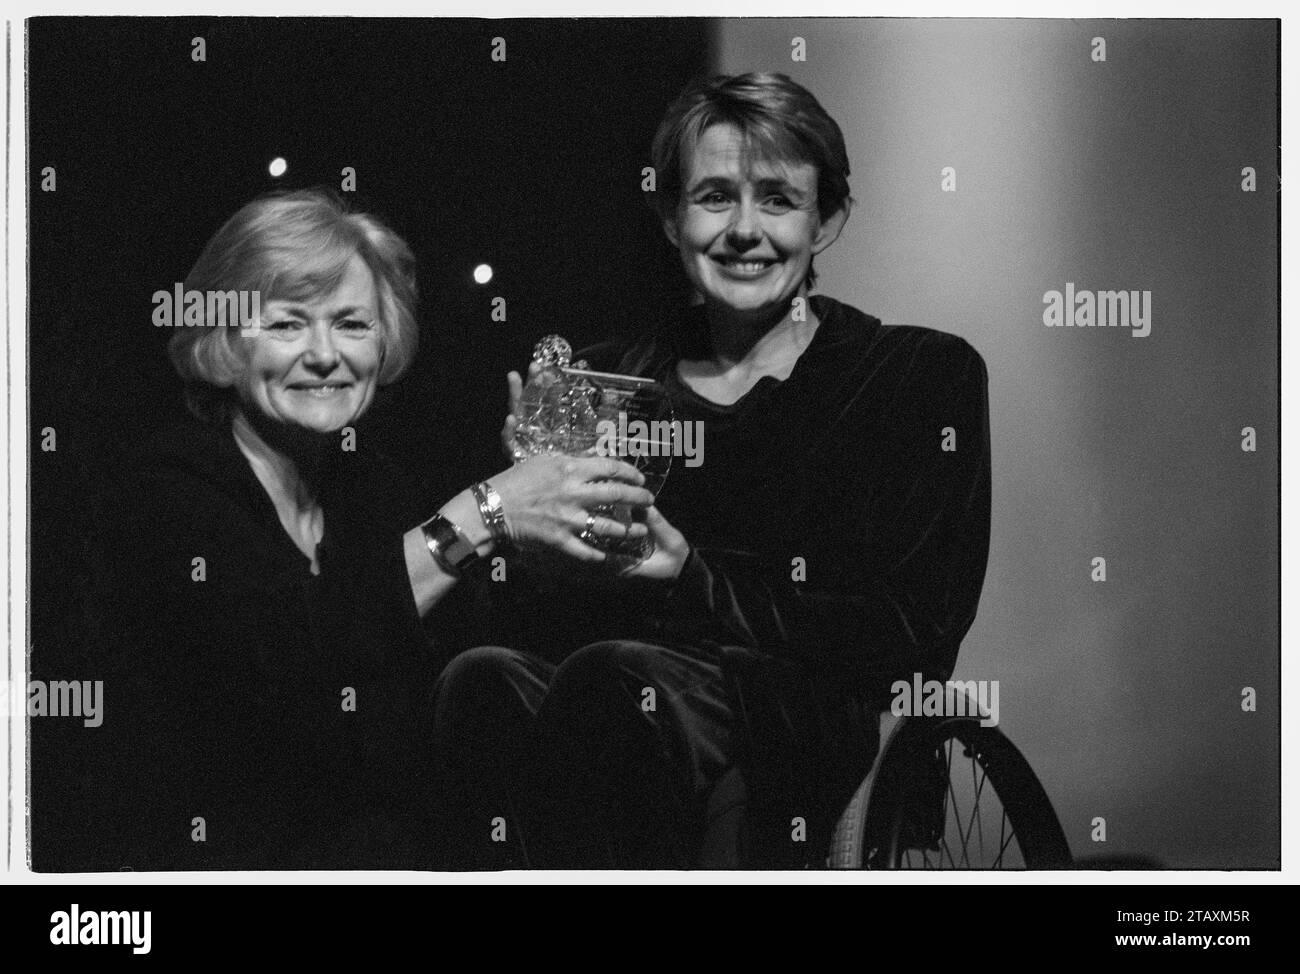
{"x":979,"y":790}
{"x":976,"y":817}
{"x":998,"y":862}
{"x":1001,"y":832}
{"x":943,"y":847}
{"x":961,"y":829}
{"x":970,"y":825}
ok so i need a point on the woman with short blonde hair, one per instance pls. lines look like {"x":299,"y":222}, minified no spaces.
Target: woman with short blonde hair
{"x":275,"y":600}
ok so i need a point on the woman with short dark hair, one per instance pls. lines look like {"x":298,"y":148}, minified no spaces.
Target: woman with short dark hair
{"x":774,"y":119}
{"x":832,"y":540}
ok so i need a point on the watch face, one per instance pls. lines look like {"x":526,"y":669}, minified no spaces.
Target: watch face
{"x":451,"y":546}
{"x":454,"y":545}
{"x":459,"y":551}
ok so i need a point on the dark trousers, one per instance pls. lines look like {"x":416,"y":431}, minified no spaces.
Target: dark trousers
{"x":609,"y":760}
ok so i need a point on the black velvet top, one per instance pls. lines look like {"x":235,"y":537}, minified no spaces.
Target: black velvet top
{"x":840,"y":517}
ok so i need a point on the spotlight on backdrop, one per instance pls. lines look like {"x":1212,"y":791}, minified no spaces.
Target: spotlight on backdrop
{"x":278,"y":167}
{"x":482,"y":274}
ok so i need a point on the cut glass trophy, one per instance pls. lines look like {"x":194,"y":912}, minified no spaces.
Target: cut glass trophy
{"x":567,"y":408}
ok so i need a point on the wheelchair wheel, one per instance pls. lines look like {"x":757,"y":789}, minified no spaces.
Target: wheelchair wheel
{"x":950,"y":794}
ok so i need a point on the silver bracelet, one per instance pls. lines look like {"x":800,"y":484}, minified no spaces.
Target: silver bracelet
{"x":489,"y":508}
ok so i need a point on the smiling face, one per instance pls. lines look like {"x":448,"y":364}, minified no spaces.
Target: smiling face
{"x":314,"y":364}
{"x":747,"y":228}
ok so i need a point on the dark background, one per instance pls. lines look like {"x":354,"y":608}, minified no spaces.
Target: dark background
{"x":532,"y":166}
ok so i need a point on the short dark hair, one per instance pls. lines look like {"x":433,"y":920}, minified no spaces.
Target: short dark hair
{"x":777,"y":118}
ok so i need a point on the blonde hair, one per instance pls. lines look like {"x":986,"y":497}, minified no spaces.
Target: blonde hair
{"x":289,"y":246}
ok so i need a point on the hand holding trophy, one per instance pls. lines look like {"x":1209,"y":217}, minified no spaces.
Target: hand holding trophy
{"x":566,"y":408}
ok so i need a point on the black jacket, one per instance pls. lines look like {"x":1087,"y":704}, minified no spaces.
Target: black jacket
{"x":231,"y":668}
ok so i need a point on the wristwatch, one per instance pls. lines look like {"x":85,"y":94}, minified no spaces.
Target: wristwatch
{"x":448,"y":544}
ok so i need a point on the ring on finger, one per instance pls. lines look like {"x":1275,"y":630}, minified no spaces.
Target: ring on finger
{"x":588,"y":534}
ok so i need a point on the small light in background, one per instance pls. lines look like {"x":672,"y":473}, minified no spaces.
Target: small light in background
{"x":278,"y":167}
{"x":482,"y":274}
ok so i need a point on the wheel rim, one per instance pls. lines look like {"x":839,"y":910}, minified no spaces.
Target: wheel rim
{"x":987,"y":810}
{"x":976,"y":833}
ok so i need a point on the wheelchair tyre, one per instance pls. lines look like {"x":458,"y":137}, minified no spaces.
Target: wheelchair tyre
{"x":950,"y":794}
